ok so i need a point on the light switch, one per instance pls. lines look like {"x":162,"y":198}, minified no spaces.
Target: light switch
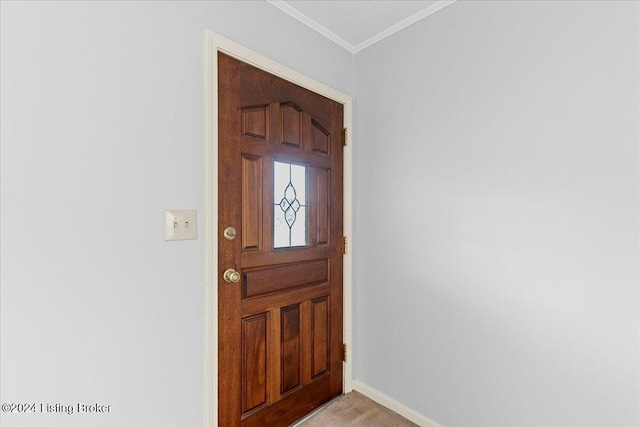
{"x":180,"y":224}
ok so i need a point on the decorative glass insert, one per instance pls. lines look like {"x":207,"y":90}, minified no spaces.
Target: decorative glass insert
{"x":290,"y":208}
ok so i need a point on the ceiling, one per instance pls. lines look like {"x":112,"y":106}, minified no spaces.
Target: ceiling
{"x":356,"y":24}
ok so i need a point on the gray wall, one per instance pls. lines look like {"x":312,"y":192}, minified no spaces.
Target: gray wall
{"x":102,"y":129}
{"x":497,"y":219}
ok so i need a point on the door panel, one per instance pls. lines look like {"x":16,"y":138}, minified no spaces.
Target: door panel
{"x":320,"y":221}
{"x":292,"y":121}
{"x":280,"y":187}
{"x":254,"y":361}
{"x":252,"y":206}
{"x":291,"y":353}
{"x":319,"y":336}
{"x":284,"y":277}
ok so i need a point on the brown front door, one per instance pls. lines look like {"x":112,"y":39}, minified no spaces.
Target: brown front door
{"x":280,"y":187}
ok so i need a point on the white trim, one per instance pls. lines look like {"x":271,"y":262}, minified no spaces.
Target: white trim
{"x":211,"y":231}
{"x":215,"y":43}
{"x":295,"y":13}
{"x":404,"y":23}
{"x":394,"y":405}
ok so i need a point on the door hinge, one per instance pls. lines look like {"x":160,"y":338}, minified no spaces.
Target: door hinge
{"x":344,"y":137}
{"x":344,"y":245}
{"x":344,"y":352}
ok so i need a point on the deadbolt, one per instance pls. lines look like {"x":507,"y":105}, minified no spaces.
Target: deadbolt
{"x":229,"y":233}
{"x":231,"y":276}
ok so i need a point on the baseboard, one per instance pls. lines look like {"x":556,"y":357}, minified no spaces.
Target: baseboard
{"x":394,"y":405}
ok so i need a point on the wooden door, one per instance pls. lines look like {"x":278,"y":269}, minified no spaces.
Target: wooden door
{"x":280,"y":186}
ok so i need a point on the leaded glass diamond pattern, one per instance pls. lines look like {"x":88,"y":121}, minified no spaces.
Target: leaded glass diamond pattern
{"x":290,"y":205}
{"x":290,"y":212}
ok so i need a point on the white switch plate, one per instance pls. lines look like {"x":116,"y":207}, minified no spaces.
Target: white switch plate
{"x":180,"y":224}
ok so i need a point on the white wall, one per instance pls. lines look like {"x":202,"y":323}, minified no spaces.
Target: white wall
{"x":496,"y":193}
{"x":102,"y":129}
{"x":497,"y":223}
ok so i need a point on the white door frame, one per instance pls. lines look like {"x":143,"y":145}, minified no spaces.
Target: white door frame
{"x":215,"y":43}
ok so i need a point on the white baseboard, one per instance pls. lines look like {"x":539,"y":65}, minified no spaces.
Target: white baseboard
{"x":394,"y":405}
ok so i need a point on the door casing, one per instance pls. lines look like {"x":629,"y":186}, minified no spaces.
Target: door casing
{"x":215,"y":43}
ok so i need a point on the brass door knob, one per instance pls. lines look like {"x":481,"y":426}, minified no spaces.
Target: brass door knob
{"x":229,"y":233}
{"x":231,"y":276}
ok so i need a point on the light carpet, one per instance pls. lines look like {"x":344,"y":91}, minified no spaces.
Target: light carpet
{"x":354,"y":409}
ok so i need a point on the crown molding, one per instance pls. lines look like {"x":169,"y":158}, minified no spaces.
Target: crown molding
{"x":295,"y":13}
{"x":404,"y":23}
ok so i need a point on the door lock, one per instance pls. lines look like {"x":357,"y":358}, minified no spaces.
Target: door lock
{"x":229,"y":233}
{"x":231,"y":276}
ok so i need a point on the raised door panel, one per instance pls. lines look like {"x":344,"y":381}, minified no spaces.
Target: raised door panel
{"x":292,"y":122}
{"x":322,"y":202}
{"x":255,"y":121}
{"x":321,"y":140}
{"x":284,"y":277}
{"x":254,"y":362}
{"x":290,"y":348}
{"x":252,"y":203}
{"x":319,"y":336}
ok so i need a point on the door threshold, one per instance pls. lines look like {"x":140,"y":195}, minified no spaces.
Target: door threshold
{"x":315,"y":411}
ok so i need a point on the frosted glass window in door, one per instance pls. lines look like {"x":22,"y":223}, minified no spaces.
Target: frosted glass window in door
{"x":290,"y":205}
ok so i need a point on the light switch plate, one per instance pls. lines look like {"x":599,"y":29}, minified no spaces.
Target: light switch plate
{"x":180,"y":224}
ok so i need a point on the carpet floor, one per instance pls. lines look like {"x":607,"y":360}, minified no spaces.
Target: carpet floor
{"x":354,"y":409}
